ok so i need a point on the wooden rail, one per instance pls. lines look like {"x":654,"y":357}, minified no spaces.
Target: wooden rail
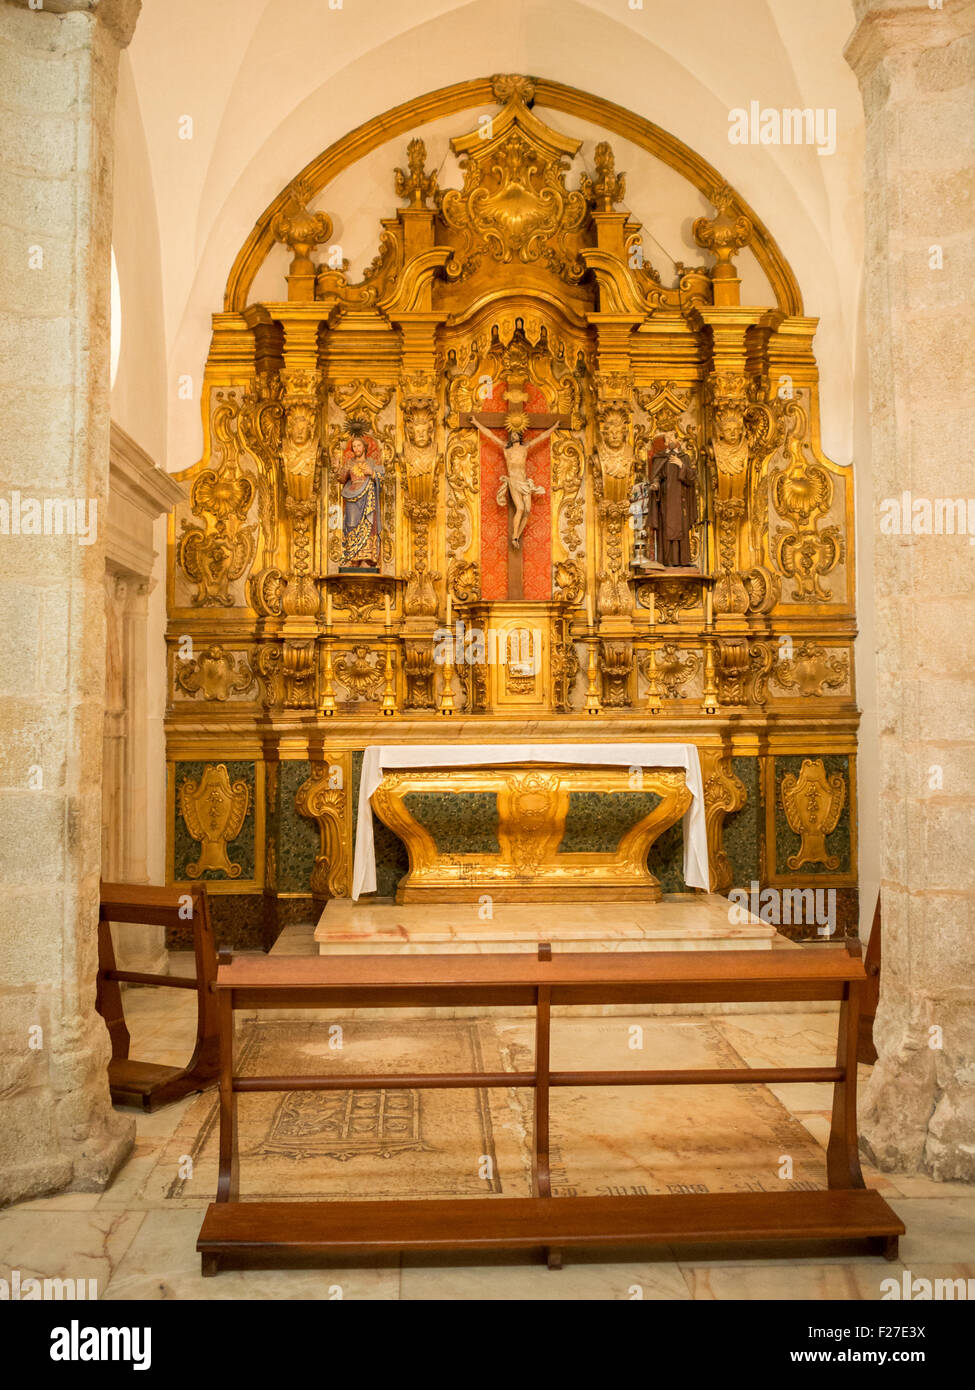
{"x":236,"y":1232}
{"x":149,"y":1084}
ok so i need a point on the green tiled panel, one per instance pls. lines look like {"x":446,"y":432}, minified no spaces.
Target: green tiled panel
{"x":272,"y":813}
{"x":298,"y":837}
{"x":597,"y":821}
{"x":459,"y":822}
{"x":787,"y":842}
{"x":356,"y":763}
{"x":239,"y":851}
{"x":666,"y":859}
{"x":742,"y":830}
{"x":392,"y":861}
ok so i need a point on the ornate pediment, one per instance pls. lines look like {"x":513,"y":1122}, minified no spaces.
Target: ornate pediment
{"x":514,"y":204}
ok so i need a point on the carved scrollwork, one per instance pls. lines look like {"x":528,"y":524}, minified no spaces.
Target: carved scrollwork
{"x":671,"y":597}
{"x":462,"y":470}
{"x":732,"y":669}
{"x":674,"y":668}
{"x":265,"y":590}
{"x":222,"y":549}
{"x":298,"y":672}
{"x":420,"y":599}
{"x":216,"y":673}
{"x":761,"y":657}
{"x":319,"y":800}
{"x":464,"y":580}
{"x":360,"y":598}
{"x":763,"y":588}
{"x":565,"y":668}
{"x":569,"y":581}
{"x":568,"y":476}
{"x":724,"y":793}
{"x":361,"y":672}
{"x":419,"y":669}
{"x":532,"y":798}
{"x":616,"y":663}
{"x":803,"y":494}
{"x":812,"y":670}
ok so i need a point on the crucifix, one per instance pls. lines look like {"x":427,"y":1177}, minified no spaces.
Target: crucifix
{"x":517,"y":487}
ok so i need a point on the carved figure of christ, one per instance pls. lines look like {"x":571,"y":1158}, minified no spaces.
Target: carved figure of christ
{"x":517,"y":488}
{"x":515,"y":483}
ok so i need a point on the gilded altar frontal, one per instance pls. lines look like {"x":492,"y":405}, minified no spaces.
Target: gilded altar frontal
{"x":524,"y":479}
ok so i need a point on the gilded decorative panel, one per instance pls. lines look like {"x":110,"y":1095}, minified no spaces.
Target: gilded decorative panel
{"x":821,"y":786}
{"x":214,"y":812}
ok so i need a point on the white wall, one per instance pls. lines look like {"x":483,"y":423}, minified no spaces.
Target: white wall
{"x":140,"y":401}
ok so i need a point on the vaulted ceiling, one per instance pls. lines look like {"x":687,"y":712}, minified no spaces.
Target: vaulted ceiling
{"x":268,"y":84}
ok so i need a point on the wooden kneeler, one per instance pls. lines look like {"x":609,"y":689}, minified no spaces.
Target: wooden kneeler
{"x":235,"y":1232}
{"x":148,"y":1084}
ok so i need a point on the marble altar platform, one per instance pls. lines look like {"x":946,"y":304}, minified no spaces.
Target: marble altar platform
{"x":680,"y":922}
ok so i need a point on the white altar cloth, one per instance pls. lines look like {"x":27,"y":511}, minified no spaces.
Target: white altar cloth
{"x":422,"y":755}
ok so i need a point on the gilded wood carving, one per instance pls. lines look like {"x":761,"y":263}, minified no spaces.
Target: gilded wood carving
{"x":484,"y":429}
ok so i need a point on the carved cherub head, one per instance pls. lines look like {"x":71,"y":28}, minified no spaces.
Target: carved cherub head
{"x":300,"y":424}
{"x":612,"y":427}
{"x":419,"y":428}
{"x":730,"y":421}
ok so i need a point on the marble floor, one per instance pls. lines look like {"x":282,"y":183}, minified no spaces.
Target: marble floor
{"x":137,"y":1239}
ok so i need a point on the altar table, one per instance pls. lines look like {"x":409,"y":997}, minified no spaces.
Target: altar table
{"x":644,"y":755}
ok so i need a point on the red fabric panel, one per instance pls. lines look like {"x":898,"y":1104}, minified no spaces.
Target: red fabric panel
{"x":536,"y":542}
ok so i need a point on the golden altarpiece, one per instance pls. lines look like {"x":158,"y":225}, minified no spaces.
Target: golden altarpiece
{"x":421,"y":513}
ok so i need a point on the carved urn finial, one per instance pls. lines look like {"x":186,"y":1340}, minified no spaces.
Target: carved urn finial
{"x":416,"y":185}
{"x":724,"y":235}
{"x":302,"y":231}
{"x":608,"y":187}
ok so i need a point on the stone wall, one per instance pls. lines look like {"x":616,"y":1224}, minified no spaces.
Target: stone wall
{"x":59,"y":64}
{"x":916,"y":67}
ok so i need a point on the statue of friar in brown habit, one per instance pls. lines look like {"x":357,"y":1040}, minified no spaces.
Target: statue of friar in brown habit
{"x":672,"y":513}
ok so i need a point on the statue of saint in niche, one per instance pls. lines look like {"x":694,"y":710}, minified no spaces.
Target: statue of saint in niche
{"x":672,"y":511}
{"x":360,"y":471}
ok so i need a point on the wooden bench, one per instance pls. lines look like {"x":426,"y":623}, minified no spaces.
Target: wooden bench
{"x":235,"y":1232}
{"x":149,"y":1084}
{"x":867,"y":1051}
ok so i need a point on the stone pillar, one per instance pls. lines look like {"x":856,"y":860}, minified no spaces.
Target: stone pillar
{"x":916,"y":66}
{"x":59,"y":64}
